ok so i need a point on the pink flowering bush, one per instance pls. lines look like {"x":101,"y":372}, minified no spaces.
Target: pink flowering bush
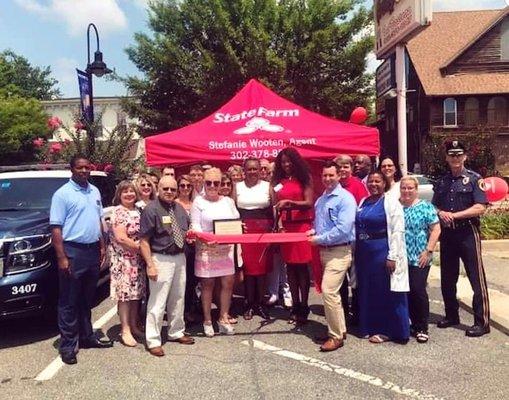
{"x":111,"y":155}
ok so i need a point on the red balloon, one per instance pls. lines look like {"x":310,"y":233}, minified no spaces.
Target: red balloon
{"x":496,"y":188}
{"x":359,"y":115}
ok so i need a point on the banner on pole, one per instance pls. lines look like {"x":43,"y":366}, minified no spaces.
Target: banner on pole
{"x":85,"y":86}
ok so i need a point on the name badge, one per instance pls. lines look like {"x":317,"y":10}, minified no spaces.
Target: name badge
{"x":278,"y":187}
{"x":167,"y":220}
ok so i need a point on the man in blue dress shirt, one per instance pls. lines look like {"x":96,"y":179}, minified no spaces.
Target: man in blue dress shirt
{"x":334,"y":233}
{"x":75,"y":219}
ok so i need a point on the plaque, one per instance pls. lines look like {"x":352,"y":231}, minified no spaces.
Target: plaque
{"x":228,"y":227}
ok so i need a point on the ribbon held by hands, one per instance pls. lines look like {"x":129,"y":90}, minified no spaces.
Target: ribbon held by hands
{"x":287,"y":237}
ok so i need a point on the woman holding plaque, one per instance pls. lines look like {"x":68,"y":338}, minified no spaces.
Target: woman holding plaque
{"x":291,"y":183}
{"x":253,"y":199}
{"x":214,"y":260}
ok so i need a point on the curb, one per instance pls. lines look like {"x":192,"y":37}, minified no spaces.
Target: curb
{"x":499,"y":302}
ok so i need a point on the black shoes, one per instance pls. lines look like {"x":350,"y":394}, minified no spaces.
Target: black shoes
{"x":96,"y":344}
{"x":262,"y":312}
{"x":446,"y":322}
{"x":477,"y":330}
{"x":69,"y":359}
{"x":258,"y":310}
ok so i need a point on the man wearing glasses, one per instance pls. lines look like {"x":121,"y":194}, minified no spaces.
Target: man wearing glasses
{"x":264,"y":169}
{"x":163,"y":228}
{"x":460,"y":202}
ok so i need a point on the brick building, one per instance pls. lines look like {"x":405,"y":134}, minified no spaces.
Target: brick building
{"x":457,"y":82}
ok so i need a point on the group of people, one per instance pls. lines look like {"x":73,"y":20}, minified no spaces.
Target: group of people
{"x":368,"y":229}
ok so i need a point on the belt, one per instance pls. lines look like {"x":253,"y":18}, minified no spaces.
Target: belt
{"x":331,"y":246}
{"x":372,"y":236}
{"x":169,"y":252}
{"x":463,"y":223}
{"x":82,"y":245}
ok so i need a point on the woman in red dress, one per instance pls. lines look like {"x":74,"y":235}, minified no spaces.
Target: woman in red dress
{"x":292,"y":186}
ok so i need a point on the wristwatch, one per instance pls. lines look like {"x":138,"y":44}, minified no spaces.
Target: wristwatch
{"x":429,"y":251}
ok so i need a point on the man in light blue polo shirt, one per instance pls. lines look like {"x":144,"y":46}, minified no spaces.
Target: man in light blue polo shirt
{"x":75,"y":219}
{"x":334,"y":232}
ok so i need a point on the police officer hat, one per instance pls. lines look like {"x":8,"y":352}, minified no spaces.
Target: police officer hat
{"x":455,"y":147}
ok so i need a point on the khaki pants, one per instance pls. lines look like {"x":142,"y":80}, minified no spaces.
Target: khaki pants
{"x":336,"y":261}
{"x":166,"y":293}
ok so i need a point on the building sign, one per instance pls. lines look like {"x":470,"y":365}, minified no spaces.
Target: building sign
{"x":386,"y":76}
{"x":396,"y":20}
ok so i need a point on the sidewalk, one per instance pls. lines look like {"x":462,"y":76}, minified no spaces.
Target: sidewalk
{"x":496,"y":265}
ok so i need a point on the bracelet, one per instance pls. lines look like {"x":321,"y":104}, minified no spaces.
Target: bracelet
{"x":429,"y":251}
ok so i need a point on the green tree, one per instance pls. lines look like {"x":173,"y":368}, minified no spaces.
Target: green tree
{"x":201,"y":52}
{"x":21,"y":121}
{"x":18,"y":77}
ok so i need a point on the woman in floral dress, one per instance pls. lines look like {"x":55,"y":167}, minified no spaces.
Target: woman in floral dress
{"x":127,"y":275}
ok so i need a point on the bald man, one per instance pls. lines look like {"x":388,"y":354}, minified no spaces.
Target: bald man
{"x":163,"y":228}
{"x":362,"y":167}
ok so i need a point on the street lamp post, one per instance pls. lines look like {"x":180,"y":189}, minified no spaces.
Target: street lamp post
{"x":98,"y":68}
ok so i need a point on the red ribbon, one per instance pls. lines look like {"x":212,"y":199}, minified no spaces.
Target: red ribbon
{"x":249,"y":238}
{"x":286,"y":237}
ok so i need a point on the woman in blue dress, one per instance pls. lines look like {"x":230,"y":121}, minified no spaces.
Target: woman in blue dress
{"x":381,"y":265}
{"x":422,"y":231}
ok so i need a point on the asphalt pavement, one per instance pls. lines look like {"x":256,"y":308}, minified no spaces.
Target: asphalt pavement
{"x":264,"y":360}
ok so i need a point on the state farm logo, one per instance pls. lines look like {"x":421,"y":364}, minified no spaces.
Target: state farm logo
{"x":258,"y":124}
{"x":261,"y":112}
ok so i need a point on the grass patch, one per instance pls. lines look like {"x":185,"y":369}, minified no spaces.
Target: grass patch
{"x":495,"y":224}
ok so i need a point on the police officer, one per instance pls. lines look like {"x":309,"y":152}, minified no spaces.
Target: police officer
{"x":75,"y":219}
{"x":460,"y":202}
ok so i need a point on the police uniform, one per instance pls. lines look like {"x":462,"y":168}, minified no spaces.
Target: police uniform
{"x":461,"y":240}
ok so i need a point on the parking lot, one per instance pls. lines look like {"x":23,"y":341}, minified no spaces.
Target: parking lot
{"x":272,"y":360}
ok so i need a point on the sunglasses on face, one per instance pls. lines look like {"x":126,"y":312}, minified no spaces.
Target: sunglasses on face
{"x":185,"y":186}
{"x":212,"y":183}
{"x":171,"y":189}
{"x":226,"y":184}
{"x":146,"y":185}
{"x":455,"y":155}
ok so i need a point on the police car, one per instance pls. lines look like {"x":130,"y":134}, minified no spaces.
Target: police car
{"x":28,"y":267}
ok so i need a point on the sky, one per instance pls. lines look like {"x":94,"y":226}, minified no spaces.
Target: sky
{"x":54,"y":33}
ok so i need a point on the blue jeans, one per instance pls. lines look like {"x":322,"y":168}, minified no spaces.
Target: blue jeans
{"x":77,"y":294}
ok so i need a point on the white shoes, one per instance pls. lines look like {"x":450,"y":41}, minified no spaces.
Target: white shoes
{"x":287,"y":296}
{"x":209,"y":330}
{"x":273,"y":299}
{"x":226,"y":329}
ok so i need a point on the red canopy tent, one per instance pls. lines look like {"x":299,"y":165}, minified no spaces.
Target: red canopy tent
{"x":257,"y":122}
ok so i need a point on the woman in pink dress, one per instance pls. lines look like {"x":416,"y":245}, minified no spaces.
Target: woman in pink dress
{"x":291,"y":183}
{"x":214,"y":260}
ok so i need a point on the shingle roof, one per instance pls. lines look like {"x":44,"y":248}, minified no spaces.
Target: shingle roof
{"x":448,"y":34}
